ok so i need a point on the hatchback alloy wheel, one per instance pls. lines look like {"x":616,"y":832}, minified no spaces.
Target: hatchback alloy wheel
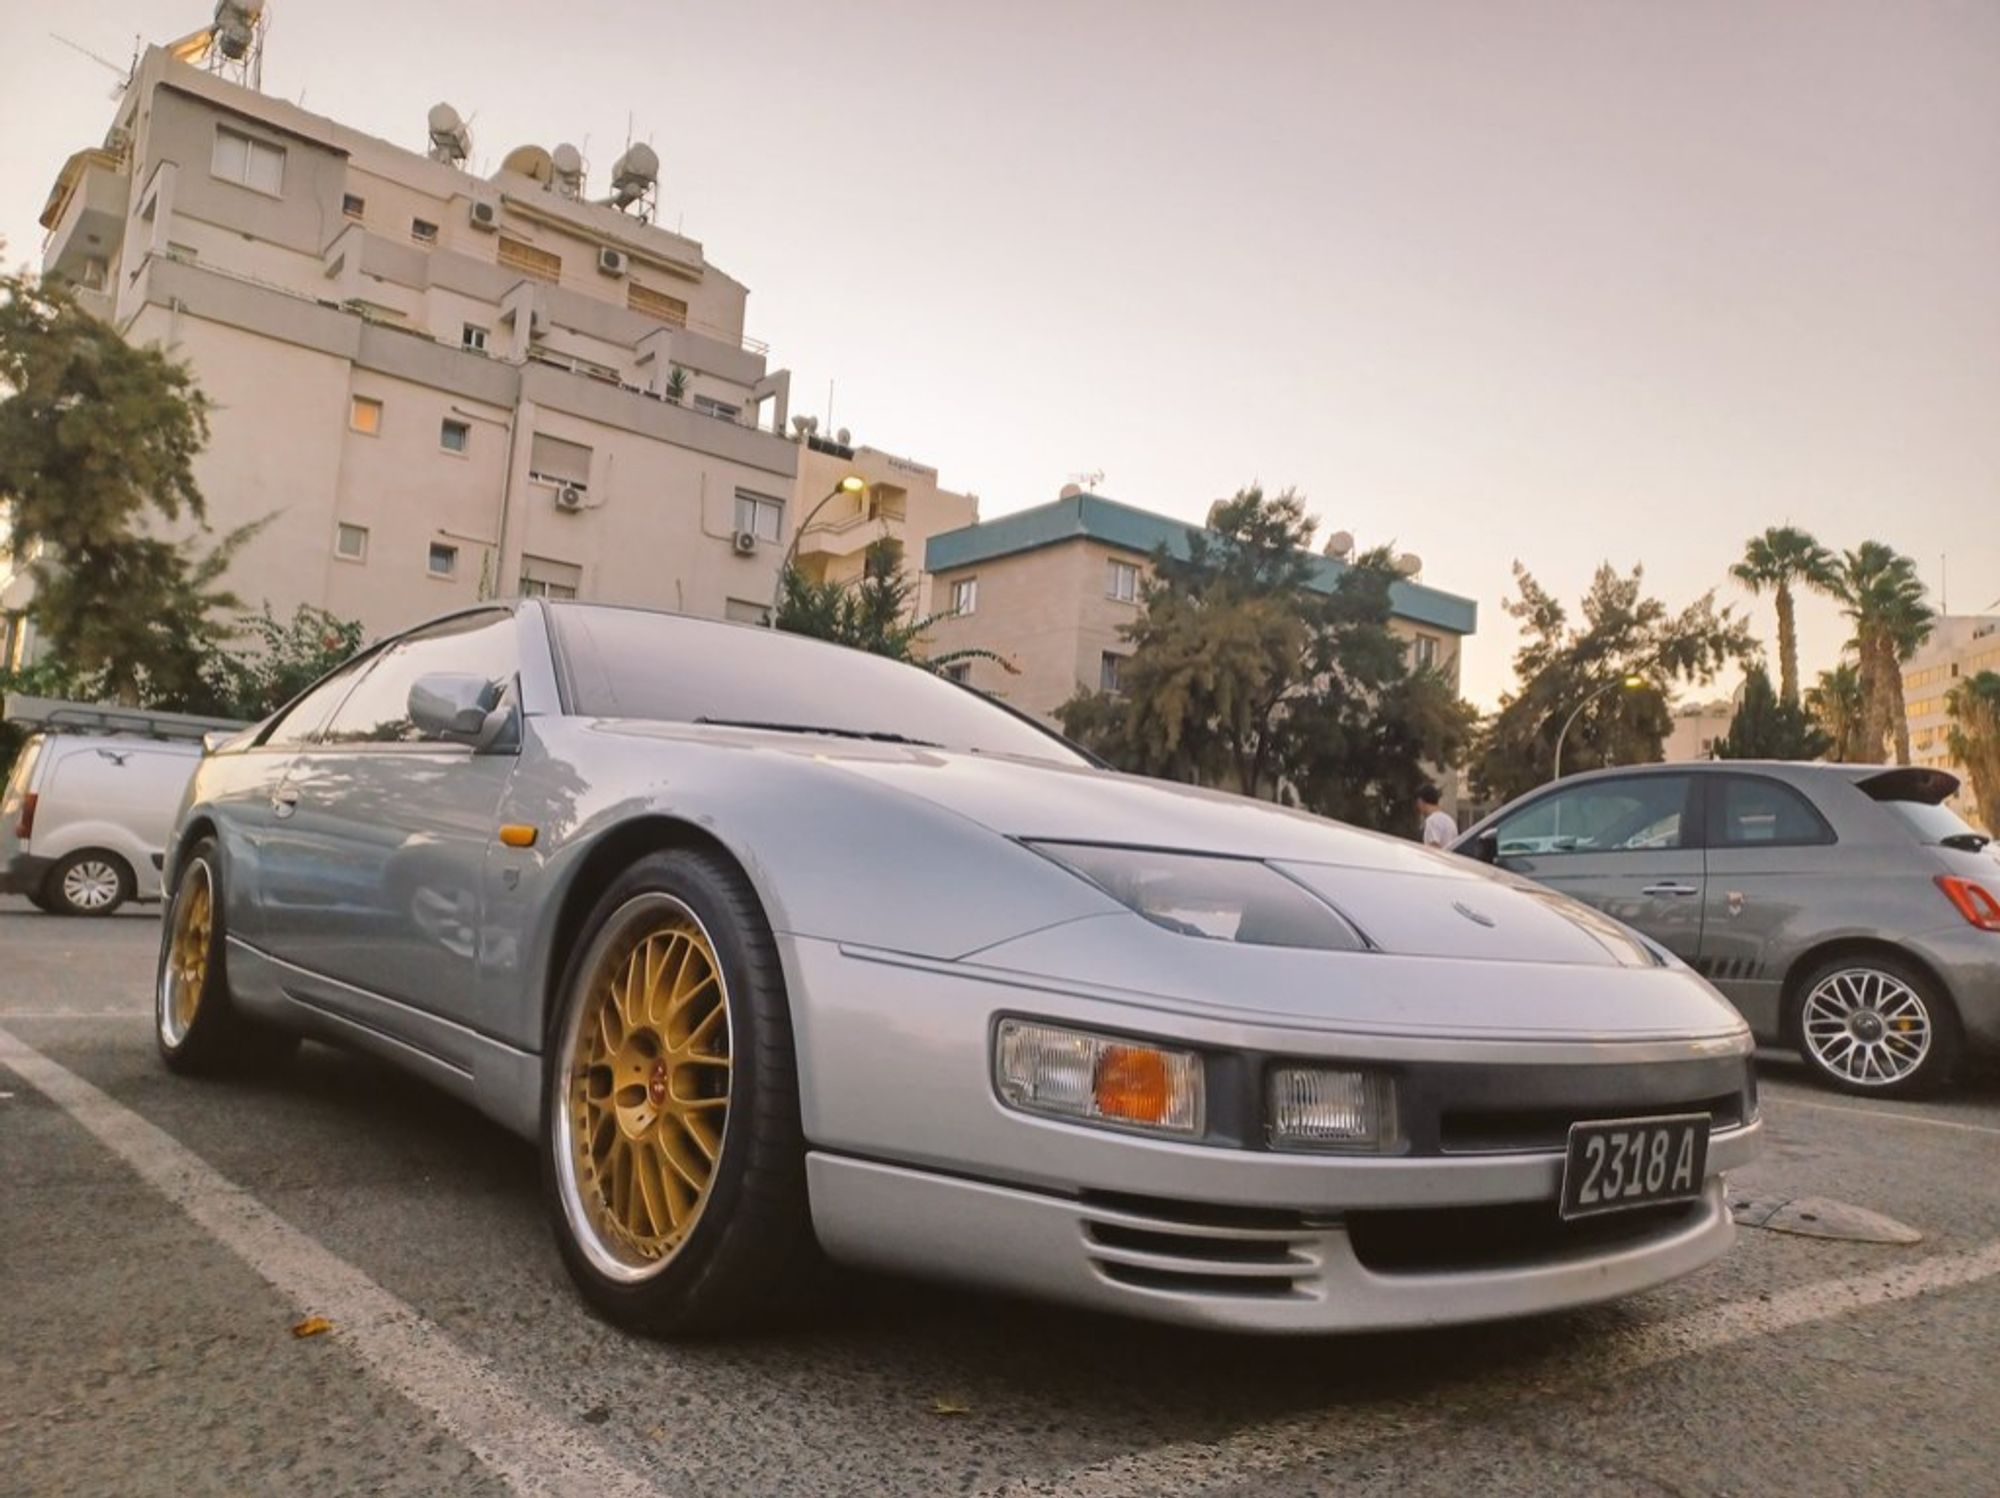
{"x":1876,"y":1025}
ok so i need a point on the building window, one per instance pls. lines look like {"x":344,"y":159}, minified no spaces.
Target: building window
{"x":543,"y":577}
{"x":364,"y":415}
{"x":517,"y":254}
{"x":960,"y":672}
{"x":743,"y":611}
{"x":965,"y":595}
{"x":558,"y":463}
{"x":1110,"y":672}
{"x":250,"y":163}
{"x":350,"y":542}
{"x":423,"y":231}
{"x":1122,"y":582}
{"x":455,"y":436}
{"x":656,"y":304}
{"x":708,"y":405}
{"x":353,"y":204}
{"x":473,"y":337}
{"x":1427,"y":652}
{"x":759,"y":515}
{"x":443,"y":560}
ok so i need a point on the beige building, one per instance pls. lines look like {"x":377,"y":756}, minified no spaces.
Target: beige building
{"x":1698,"y":728}
{"x":1050,"y":588}
{"x":438,"y":387}
{"x":902,"y":501}
{"x":1960,"y":645}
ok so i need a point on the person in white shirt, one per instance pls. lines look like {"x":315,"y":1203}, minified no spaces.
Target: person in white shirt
{"x":1440,"y":831}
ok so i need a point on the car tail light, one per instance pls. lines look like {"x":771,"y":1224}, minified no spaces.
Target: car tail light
{"x":25,"y":828}
{"x":1974,"y":901}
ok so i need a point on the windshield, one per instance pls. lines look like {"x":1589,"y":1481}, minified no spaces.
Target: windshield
{"x":629,"y":663}
{"x":1935,"y":823}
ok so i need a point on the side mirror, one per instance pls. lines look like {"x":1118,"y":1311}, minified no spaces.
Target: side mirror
{"x":1485,"y":847}
{"x":453,"y":706}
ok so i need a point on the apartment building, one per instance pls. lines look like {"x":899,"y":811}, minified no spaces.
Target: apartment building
{"x":434,"y":387}
{"x":901,"y":501}
{"x":1960,"y":645}
{"x":1050,"y":588}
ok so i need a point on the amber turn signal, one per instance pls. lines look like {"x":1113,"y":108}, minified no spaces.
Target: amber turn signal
{"x":517,"y":835}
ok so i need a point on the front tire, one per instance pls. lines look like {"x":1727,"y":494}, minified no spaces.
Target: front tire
{"x":88,"y":882}
{"x":1877,"y":1026}
{"x":673,"y":1158}
{"x":196,"y":1023}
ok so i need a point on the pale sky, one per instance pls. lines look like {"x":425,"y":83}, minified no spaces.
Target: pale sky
{"x":1565,"y":282}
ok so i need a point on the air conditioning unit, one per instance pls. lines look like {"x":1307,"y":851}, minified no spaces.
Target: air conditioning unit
{"x":745,"y":543}
{"x":612,"y":262}
{"x":569,"y":497}
{"x":485,"y":214}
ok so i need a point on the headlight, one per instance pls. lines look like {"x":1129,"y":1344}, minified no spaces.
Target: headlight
{"x":1097,"y":1078}
{"x":1331,"y":1108}
{"x":1223,"y":899}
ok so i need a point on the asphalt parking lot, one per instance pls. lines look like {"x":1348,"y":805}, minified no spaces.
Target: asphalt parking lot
{"x":160,"y":1238}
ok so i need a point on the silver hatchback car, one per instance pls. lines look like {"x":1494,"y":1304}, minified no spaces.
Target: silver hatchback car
{"x":1844,"y":909}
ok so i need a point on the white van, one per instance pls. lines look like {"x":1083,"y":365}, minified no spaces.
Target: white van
{"x":84,"y":817}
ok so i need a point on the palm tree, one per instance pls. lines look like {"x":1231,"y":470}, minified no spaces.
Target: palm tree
{"x":1836,"y":703}
{"x":1879,"y":590}
{"x":1782,"y":556}
{"x":1975,"y":740}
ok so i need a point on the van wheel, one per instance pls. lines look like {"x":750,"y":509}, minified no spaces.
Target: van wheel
{"x":88,"y":882}
{"x":196,"y":1023}
{"x":1876,"y":1025}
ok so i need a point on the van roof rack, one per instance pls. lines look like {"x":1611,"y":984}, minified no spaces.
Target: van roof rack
{"x":54,"y":715}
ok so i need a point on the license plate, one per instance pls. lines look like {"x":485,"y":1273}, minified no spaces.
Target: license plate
{"x":1634,"y":1162}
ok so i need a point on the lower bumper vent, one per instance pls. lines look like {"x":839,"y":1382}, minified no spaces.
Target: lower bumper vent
{"x":1519,"y":1235}
{"x":1197,"y":1250}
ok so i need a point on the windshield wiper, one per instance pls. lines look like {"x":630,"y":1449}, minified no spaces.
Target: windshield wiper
{"x":1968,"y":842}
{"x":873,"y":735}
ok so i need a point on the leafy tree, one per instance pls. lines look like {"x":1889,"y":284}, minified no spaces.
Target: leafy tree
{"x":97,"y":441}
{"x":1783,"y":556}
{"x":1975,"y":740}
{"x":872,"y":612}
{"x":1765,"y":727}
{"x":285,"y":657}
{"x":1558,"y":666}
{"x":1244,"y":676}
{"x":1879,"y":591}
{"x":1836,"y":705}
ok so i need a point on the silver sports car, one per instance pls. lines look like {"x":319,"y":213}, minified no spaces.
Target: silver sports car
{"x":774,"y":946}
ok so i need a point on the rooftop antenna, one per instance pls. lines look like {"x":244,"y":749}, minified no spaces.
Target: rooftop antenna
{"x":124,"y":74}
{"x":1090,"y":481}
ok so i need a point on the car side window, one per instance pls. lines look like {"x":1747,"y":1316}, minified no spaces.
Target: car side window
{"x":1749,"y":811}
{"x":306,"y":716}
{"x":1643,"y":813}
{"x":378,"y":709}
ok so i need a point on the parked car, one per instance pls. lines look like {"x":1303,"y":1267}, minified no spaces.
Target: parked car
{"x":84,"y":818}
{"x":1845,"y":910}
{"x":771,"y":944}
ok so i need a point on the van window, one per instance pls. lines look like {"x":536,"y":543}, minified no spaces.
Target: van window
{"x":24,"y":767}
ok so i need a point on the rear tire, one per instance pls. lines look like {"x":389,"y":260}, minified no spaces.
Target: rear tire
{"x":673,"y":1161}
{"x":1876,"y":1025}
{"x":196,"y":1023}
{"x":90,"y":881}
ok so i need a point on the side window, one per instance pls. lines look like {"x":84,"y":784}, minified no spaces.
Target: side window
{"x":1747,"y":811}
{"x":378,"y":710}
{"x":305,"y":717}
{"x":1606,"y":816}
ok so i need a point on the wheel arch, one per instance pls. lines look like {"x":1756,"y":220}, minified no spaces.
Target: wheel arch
{"x":1815,"y":957}
{"x":196,"y":828}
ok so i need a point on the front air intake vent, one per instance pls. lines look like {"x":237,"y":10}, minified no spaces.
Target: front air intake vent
{"x":1193,"y":1249}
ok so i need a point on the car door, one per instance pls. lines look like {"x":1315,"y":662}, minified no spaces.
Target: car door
{"x":1626,"y":844}
{"x":374,"y":875}
{"x":1767,"y":844}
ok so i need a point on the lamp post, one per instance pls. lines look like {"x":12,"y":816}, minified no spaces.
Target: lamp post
{"x":1629,"y":683}
{"x":853,"y":483}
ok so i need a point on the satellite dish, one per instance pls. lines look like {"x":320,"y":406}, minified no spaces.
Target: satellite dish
{"x":812,"y":425}
{"x":843,"y":438}
{"x":451,"y":141}
{"x":634,"y":174}
{"x":531,"y":162}
{"x":567,"y":163}
{"x":1339,"y":544}
{"x":1070,"y":491}
{"x":799,"y":424}
{"x":1409,"y":564}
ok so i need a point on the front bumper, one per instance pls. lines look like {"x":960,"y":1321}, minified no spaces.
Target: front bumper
{"x":23,"y":874}
{"x":917,"y":1167}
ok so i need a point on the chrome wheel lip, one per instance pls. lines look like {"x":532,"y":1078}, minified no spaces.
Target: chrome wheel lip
{"x":91,"y":884}
{"x":583,"y":1229}
{"x":1867,"y":1027}
{"x":167,"y":992}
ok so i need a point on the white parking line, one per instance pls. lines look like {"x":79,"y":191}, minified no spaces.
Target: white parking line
{"x":1862,"y":1110}
{"x":1191,"y":1466}
{"x":531,"y":1450}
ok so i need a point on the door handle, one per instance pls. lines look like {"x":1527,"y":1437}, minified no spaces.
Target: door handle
{"x":1670,"y":889}
{"x":285,"y":800}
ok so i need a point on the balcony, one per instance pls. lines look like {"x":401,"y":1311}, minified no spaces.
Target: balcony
{"x":85,"y":217}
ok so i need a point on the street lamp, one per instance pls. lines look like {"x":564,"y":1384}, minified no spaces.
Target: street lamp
{"x":1629,"y":683}
{"x":853,"y":483}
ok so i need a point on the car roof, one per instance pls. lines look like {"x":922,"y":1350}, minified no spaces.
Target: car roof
{"x":1919,"y":782}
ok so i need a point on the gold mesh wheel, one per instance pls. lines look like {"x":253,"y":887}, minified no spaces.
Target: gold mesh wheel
{"x":645,"y":1075}
{"x":185,"y":973}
